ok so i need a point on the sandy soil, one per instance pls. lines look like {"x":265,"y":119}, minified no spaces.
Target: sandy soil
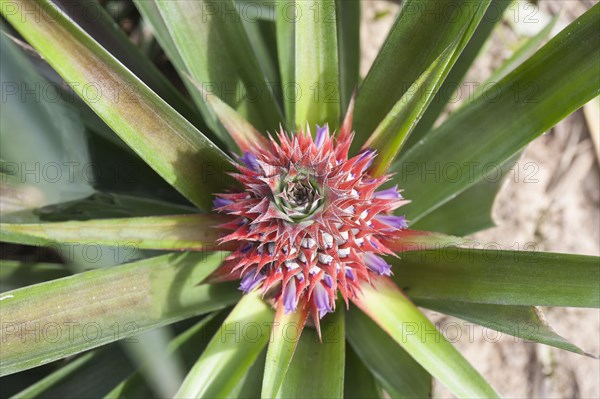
{"x":558,"y":210}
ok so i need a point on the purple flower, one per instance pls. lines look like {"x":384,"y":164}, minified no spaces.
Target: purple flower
{"x":350,"y":274}
{"x":249,"y":159}
{"x":367,"y":153}
{"x":290,"y":299}
{"x":322,"y":133}
{"x":250,"y":280}
{"x":397,"y":222}
{"x":389,"y":194}
{"x":328,"y":280}
{"x":321,"y":300}
{"x":221,"y":202}
{"x":377,"y":265}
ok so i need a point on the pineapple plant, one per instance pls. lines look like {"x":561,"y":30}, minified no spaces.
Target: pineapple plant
{"x":262,"y":222}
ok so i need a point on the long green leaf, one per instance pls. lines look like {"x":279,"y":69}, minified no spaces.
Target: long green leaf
{"x":348,"y":38}
{"x":97,"y":22}
{"x":52,"y":320}
{"x":501,"y":277}
{"x":240,"y":130}
{"x":109,"y":205}
{"x":423,"y":30}
{"x":232,"y":350}
{"x":211,"y":41}
{"x":285,"y":335}
{"x":317,"y":368}
{"x":526,"y":322}
{"x":250,"y":385}
{"x":88,"y":376}
{"x":400,"y":318}
{"x":454,"y":80}
{"x":149,"y":10}
{"x":43,"y":148}
{"x":359,"y":383}
{"x":68,"y":371}
{"x":400,"y":375}
{"x":521,"y":54}
{"x":471,"y":210}
{"x":150,"y":355}
{"x":151,"y":13}
{"x":316,"y":63}
{"x":184,"y":232}
{"x":468,"y":213}
{"x":17,"y":274}
{"x":414,"y":240}
{"x":286,"y":55}
{"x":261,"y":35}
{"x":392,"y":132}
{"x":163,"y":138}
{"x":187,"y":346}
{"x":476,"y":140}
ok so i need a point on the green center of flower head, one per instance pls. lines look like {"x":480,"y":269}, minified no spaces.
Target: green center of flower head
{"x":299,"y":196}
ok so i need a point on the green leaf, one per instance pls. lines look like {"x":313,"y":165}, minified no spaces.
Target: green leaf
{"x":151,"y":13}
{"x":182,"y":232}
{"x":231,"y":352}
{"x":108,"y":205}
{"x":359,"y":383}
{"x":150,"y":355}
{"x":163,"y":138}
{"x":250,"y":385}
{"x":348,"y":38}
{"x":285,"y":335}
{"x":468,"y":213}
{"x":48,"y":382}
{"x":257,"y":9}
{"x":400,"y":375}
{"x":317,"y":368}
{"x":521,"y":54}
{"x":492,"y":16}
{"x":501,"y":277}
{"x":392,"y":132}
{"x":474,"y":141}
{"x":316,"y":64}
{"x":92,"y":17}
{"x":215,"y":49}
{"x":149,"y":10}
{"x":261,"y":35}
{"x":400,"y":318}
{"x":415,"y":240}
{"x":240,"y":130}
{"x":187,"y":346}
{"x":116,"y":168}
{"x":59,"y":318}
{"x":16,"y":274}
{"x":471,"y":210}
{"x":286,"y":53}
{"x":87,"y":376}
{"x":43,"y":147}
{"x":526,"y":322}
{"x":422,"y":32}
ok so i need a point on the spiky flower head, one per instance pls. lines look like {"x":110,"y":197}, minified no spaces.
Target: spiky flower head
{"x":309,"y":221}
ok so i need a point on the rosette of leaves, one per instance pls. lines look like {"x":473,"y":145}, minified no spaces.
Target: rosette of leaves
{"x":311,"y":225}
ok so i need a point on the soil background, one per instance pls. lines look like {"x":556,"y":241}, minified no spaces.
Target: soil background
{"x":557,"y":209}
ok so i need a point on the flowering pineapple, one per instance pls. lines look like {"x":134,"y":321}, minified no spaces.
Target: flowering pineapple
{"x":291,"y":265}
{"x":309,"y":220}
